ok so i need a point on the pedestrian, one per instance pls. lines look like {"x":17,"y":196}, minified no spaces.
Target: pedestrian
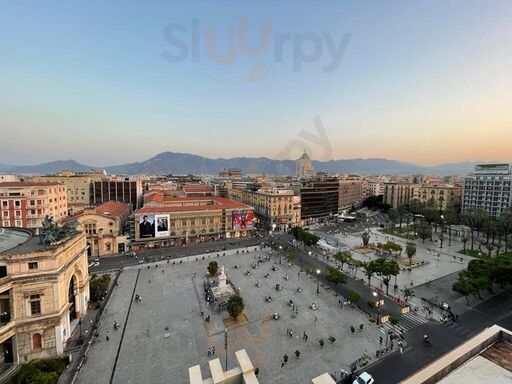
{"x":411,"y":283}
{"x":195,"y":275}
{"x":209,"y":351}
{"x":304,"y":336}
{"x":162,"y":271}
{"x":107,"y":336}
{"x":213,"y":350}
{"x":316,"y":318}
{"x":291,"y":334}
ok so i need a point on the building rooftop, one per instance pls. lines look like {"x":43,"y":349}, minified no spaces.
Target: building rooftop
{"x":180,"y":204}
{"x":21,"y":184}
{"x":11,"y":238}
{"x":113,"y":208}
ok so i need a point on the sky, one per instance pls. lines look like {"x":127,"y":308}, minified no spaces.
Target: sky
{"x":108,"y":83}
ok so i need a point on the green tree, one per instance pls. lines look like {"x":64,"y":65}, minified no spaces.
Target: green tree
{"x":342,"y":257}
{"x":369,"y":269}
{"x":212,"y":268}
{"x":451,"y":217}
{"x":354,"y":297}
{"x":357,"y":264}
{"x":393,"y":215}
{"x":401,"y":211}
{"x":424,"y":231}
{"x":235,"y":306}
{"x":335,"y":276}
{"x":410,"y":249}
{"x":98,"y":286}
{"x":440,"y":236}
{"x":386,"y":269}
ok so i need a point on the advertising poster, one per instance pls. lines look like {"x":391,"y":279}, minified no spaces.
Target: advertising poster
{"x":243,"y":220}
{"x":162,"y":225}
{"x":146,"y":226}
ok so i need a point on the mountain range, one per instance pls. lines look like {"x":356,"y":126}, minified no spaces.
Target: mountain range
{"x":185,"y":163}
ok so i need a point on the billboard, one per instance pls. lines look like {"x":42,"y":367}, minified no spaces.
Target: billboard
{"x":153,"y":226}
{"x":243,"y":219}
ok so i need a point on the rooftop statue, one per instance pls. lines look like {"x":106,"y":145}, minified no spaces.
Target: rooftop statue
{"x":52,"y":233}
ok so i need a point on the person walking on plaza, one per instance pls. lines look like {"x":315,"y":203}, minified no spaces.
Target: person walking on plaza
{"x":213,"y":350}
{"x":107,"y":336}
{"x":209,"y":351}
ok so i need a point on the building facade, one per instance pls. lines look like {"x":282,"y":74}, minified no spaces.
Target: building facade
{"x":25,"y":204}
{"x":489,"y":188}
{"x":273,"y":207}
{"x":44,"y":291}
{"x":304,"y":166}
{"x":444,"y":196}
{"x":104,"y":227}
{"x":319,"y":198}
{"x":350,"y":194}
{"x":191,"y":220}
{"x":123,"y":189}
{"x":398,"y":193}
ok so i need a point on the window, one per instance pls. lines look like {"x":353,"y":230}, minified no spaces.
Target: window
{"x":37,"y":341}
{"x":107,"y":247}
{"x":17,"y":203}
{"x":33,"y":265}
{"x":5,"y":204}
{"x":35,"y":305}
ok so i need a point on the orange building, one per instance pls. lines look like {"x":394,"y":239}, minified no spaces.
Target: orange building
{"x":25,"y":204}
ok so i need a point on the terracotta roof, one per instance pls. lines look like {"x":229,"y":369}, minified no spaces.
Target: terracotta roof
{"x":216,"y":203}
{"x":113,"y":208}
{"x":18,"y":184}
{"x":154,"y":197}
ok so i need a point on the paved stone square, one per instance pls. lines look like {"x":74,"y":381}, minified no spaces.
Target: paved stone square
{"x":173,"y":298}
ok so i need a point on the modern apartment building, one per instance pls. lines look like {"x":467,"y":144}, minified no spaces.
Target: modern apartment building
{"x":124,"y":189}
{"x":44,"y":291}
{"x":489,"y":188}
{"x":24,"y":204}
{"x":350,"y":194}
{"x":375,"y":188}
{"x":398,"y":193}
{"x":319,"y":198}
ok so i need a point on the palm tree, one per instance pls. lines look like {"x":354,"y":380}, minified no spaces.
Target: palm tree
{"x":357,"y":264}
{"x":464,"y":238}
{"x":441,"y":238}
{"x":410,"y":249}
{"x":235,"y":306}
{"x":366,"y":238}
{"x":450,"y":217}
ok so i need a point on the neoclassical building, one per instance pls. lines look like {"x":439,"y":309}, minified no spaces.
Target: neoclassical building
{"x":44,"y":291}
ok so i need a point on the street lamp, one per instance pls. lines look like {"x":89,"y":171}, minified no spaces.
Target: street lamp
{"x":317,"y":281}
{"x":375,"y":294}
{"x":280,"y":255}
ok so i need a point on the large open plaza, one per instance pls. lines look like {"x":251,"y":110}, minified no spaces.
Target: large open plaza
{"x":163,"y":335}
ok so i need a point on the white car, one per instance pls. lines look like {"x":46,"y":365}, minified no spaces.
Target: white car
{"x":364,"y":378}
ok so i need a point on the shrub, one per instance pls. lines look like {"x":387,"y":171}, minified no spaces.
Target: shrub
{"x":354,"y":297}
{"x":235,"y":306}
{"x":371,"y":304}
{"x":98,"y":286}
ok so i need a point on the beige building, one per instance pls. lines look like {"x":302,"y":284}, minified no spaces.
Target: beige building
{"x":398,"y":193}
{"x":24,"y":204}
{"x":445,"y":196}
{"x":191,"y":220}
{"x":104,"y":228}
{"x":375,"y":188}
{"x":350,"y":194}
{"x":44,"y":290}
{"x":273,"y":207}
{"x":78,"y":186}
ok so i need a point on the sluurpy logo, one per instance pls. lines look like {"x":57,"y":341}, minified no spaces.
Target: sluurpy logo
{"x":296,"y":49}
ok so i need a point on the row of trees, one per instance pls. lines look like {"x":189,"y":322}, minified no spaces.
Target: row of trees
{"x":427,"y":219}
{"x":307,"y":238}
{"x":483,"y":274}
{"x":382,"y":267}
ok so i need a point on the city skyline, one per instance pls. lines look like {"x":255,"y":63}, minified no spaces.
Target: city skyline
{"x":419,"y":83}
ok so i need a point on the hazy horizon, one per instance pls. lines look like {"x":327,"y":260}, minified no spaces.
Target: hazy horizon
{"x":103,"y":84}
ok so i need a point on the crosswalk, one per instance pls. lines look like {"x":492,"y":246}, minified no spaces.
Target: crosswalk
{"x":406,"y":323}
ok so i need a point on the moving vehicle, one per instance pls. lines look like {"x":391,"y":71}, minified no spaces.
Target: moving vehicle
{"x":364,"y":378}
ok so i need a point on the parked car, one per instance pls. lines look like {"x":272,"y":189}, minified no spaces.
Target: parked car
{"x":364,"y":378}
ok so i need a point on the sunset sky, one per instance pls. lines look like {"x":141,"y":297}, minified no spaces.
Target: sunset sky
{"x":426,"y":82}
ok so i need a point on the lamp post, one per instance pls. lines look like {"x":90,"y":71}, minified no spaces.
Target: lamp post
{"x":378,"y":302}
{"x":226,"y":345}
{"x":280,"y":255}
{"x":317,"y":281}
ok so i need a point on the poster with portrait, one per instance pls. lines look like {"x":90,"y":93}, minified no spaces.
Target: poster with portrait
{"x":243,"y":220}
{"x":146,"y":226}
{"x":162,"y":225}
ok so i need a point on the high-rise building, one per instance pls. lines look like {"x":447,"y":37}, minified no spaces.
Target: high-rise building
{"x":489,"y":188}
{"x":319,"y":198}
{"x":123,"y":189}
{"x":350,"y":194}
{"x":24,"y":204}
{"x":304,"y":166}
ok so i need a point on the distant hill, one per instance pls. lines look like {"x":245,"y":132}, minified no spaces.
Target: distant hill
{"x":185,"y":163}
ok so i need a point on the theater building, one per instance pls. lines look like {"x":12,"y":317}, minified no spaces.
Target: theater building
{"x":191,"y":220}
{"x":44,"y":290}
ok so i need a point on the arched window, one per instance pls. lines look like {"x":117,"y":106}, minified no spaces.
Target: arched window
{"x":37,"y":341}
